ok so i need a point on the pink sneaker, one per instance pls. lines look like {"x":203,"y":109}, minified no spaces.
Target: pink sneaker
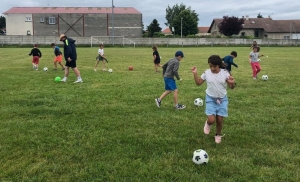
{"x":218,"y":138}
{"x":206,"y":128}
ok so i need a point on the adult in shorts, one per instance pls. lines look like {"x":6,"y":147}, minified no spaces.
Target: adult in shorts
{"x":70,"y":57}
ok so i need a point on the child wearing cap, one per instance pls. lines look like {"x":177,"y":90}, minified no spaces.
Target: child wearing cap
{"x":58,"y":57}
{"x":36,"y":55}
{"x":170,"y":69}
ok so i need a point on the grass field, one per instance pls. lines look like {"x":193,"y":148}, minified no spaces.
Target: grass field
{"x":108,"y":128}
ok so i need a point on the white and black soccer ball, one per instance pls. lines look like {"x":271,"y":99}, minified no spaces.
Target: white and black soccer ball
{"x":265,"y":77}
{"x":110,"y":70}
{"x":45,"y":69}
{"x":200,"y":157}
{"x":198,"y":102}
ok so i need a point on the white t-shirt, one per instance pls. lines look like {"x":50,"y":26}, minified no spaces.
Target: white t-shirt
{"x":216,"y":83}
{"x":254,"y":56}
{"x":101,"y":52}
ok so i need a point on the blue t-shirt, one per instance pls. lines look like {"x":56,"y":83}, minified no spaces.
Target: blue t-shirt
{"x":228,"y":60}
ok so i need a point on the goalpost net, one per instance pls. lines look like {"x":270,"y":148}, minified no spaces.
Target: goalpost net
{"x":112,"y":40}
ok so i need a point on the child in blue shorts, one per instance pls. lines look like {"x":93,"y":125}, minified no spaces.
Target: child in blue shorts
{"x":170,"y":69}
{"x":217,"y":79}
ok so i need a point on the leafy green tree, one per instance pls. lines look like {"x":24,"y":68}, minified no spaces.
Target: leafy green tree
{"x":189,"y":23}
{"x":2,"y":22}
{"x":189,"y":19}
{"x":153,"y":27}
{"x":231,"y":25}
{"x":259,"y":16}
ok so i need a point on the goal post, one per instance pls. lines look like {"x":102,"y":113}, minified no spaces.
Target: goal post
{"x":112,"y":40}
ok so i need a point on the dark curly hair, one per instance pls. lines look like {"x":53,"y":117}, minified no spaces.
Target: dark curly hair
{"x":216,"y":60}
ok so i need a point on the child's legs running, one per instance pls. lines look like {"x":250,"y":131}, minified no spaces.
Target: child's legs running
{"x":257,"y":68}
{"x":211,"y":119}
{"x":61,"y":65}
{"x":219,"y":124}
{"x":167,"y":92}
{"x":175,"y":96}
{"x":97,"y":62}
{"x":104,"y":64}
{"x":55,"y":64}
{"x":254,"y":73}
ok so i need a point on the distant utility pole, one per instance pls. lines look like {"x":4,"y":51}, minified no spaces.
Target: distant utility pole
{"x":181,"y":27}
{"x":112,"y":21}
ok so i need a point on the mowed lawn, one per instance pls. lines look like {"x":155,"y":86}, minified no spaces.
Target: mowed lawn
{"x":108,"y":128}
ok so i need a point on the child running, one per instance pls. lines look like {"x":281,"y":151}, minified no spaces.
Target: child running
{"x":101,"y":57}
{"x":254,"y":61}
{"x":36,"y":55}
{"x":170,"y":69}
{"x":58,"y":57}
{"x":216,"y":99}
{"x":228,"y":60}
{"x":156,"y":58}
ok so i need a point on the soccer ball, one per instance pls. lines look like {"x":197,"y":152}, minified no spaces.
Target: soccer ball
{"x":200,"y":157}
{"x":110,"y":70}
{"x":265,"y":77}
{"x":45,"y":69}
{"x":130,"y":68}
{"x":57,"y":79}
{"x":198,"y":102}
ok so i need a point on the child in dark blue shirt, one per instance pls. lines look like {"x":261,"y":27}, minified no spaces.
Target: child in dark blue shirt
{"x":228,"y":60}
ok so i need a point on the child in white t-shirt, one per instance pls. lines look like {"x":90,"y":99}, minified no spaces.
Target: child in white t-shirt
{"x":217,"y":79}
{"x":101,"y":57}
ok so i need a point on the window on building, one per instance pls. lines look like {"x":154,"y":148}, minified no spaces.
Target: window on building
{"x":52,"y":20}
{"x":286,"y":37}
{"x":42,"y":19}
{"x":256,"y":33}
{"x":28,"y":19}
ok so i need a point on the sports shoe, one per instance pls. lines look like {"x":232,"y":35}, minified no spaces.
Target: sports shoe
{"x":78,"y":81}
{"x":95,"y":70}
{"x":218,"y":138}
{"x":158,"y":102}
{"x":206,"y":128}
{"x":64,"y":79}
{"x":179,"y":106}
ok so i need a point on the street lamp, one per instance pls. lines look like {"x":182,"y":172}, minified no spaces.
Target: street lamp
{"x":112,"y":21}
{"x":181,"y":27}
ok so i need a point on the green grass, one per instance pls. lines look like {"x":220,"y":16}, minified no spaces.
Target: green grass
{"x":108,"y":128}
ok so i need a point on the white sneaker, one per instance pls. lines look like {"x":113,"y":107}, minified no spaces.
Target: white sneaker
{"x":78,"y":81}
{"x":95,"y":70}
{"x":64,"y":80}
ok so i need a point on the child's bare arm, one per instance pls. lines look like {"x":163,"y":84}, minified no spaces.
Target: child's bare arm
{"x":198,"y":80}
